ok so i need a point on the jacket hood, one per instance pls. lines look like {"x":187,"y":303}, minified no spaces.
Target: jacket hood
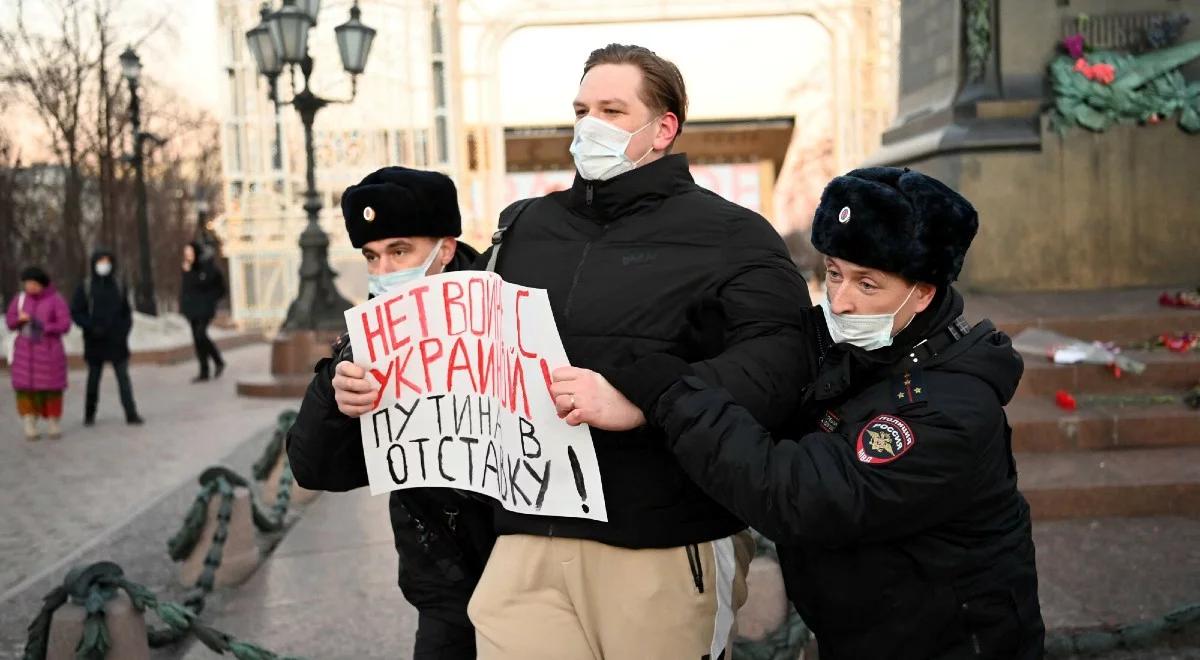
{"x":98,"y":255}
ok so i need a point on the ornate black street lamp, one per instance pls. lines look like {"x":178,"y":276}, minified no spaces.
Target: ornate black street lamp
{"x":279,"y":40}
{"x":131,"y":68}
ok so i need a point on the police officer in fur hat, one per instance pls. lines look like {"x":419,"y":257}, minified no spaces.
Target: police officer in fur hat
{"x":406,"y":222}
{"x":894,"y":501}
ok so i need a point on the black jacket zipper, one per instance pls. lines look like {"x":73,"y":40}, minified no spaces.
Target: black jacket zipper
{"x":587,"y":248}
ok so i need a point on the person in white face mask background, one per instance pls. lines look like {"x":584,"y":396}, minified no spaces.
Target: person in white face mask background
{"x":100,"y":307}
{"x":893,"y":498}
{"x":406,"y":223}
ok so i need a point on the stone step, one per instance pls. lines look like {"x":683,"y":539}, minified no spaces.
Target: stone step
{"x":1119,"y":483}
{"x":1165,"y":371}
{"x":1118,"y":315}
{"x":1040,"y":426}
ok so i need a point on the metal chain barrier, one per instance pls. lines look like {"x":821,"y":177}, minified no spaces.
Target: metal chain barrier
{"x":262,"y":467}
{"x":1128,"y":637}
{"x":93,"y":586}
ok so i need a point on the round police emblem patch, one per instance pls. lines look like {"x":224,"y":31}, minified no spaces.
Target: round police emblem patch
{"x":369,"y":214}
{"x":884,"y":439}
{"x":844,"y":216}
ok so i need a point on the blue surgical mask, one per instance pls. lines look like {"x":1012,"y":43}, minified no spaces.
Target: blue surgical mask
{"x":866,"y":331}
{"x":377,"y":285}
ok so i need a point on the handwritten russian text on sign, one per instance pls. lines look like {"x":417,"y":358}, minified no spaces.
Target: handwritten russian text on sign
{"x":463,"y":362}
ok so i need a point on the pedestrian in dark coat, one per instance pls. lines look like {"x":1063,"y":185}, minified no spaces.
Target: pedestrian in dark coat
{"x":100,"y":307}
{"x":201,"y":289}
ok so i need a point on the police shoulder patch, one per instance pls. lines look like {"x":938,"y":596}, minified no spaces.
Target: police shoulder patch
{"x":884,"y":439}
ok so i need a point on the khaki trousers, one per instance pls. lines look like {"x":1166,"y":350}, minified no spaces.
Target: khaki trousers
{"x":572,"y":599}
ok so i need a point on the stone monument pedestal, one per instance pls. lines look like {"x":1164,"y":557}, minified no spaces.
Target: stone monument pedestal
{"x":1076,"y":211}
{"x":293,"y":355}
{"x":241,"y":554}
{"x":126,"y":630}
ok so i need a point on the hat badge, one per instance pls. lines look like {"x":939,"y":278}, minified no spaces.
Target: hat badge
{"x":369,"y":214}
{"x":844,"y":215}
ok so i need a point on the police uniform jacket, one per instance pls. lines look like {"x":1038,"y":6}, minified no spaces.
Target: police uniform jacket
{"x":442,"y":536}
{"x":894,"y":503}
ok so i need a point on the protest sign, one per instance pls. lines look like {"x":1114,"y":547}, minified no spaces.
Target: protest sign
{"x":463,"y":362}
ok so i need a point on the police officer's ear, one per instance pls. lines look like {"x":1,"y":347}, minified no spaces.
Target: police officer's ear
{"x":923,"y":295}
{"x":446,"y":252}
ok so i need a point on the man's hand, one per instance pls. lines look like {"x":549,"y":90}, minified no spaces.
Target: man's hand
{"x":582,"y":396}
{"x":353,"y":391}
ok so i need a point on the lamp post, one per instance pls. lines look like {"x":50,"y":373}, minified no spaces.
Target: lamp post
{"x":200,"y":202}
{"x":131,"y":68}
{"x":281,"y":39}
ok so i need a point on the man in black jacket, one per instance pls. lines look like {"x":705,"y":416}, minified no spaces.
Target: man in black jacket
{"x":100,"y":307}
{"x":638,"y":259}
{"x":202,"y":286}
{"x":405,"y":221}
{"x":900,"y":530}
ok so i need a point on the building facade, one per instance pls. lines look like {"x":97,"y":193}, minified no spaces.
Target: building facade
{"x":437,"y":95}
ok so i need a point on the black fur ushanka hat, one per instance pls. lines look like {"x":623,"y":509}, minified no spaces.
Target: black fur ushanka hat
{"x":898,"y":221}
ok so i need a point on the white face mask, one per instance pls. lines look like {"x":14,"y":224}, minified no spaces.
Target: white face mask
{"x":599,"y":149}
{"x":377,"y":285}
{"x":104,"y":268}
{"x":866,"y":331}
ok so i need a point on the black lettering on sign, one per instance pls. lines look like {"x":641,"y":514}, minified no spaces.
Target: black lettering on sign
{"x":375,"y":425}
{"x":579,"y":485}
{"x":527,"y":432}
{"x":485,"y":414}
{"x":441,"y":462}
{"x":392,"y":464}
{"x":407,"y":416}
{"x":543,"y":484}
{"x":463,"y":413}
{"x":420,"y":442}
{"x":512,"y":482}
{"x":489,"y":463}
{"x":437,"y":402}
{"x":470,"y":442}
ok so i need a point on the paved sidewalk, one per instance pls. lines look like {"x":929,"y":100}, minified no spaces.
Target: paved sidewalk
{"x":328,"y":591}
{"x":59,"y":495}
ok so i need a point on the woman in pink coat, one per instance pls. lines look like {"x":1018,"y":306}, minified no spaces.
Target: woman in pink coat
{"x":40,"y":318}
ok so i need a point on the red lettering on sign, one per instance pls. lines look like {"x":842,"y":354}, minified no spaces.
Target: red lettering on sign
{"x":520,"y":345}
{"x":419,"y":294}
{"x":393,"y":321}
{"x":460,"y":361}
{"x":452,"y":300}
